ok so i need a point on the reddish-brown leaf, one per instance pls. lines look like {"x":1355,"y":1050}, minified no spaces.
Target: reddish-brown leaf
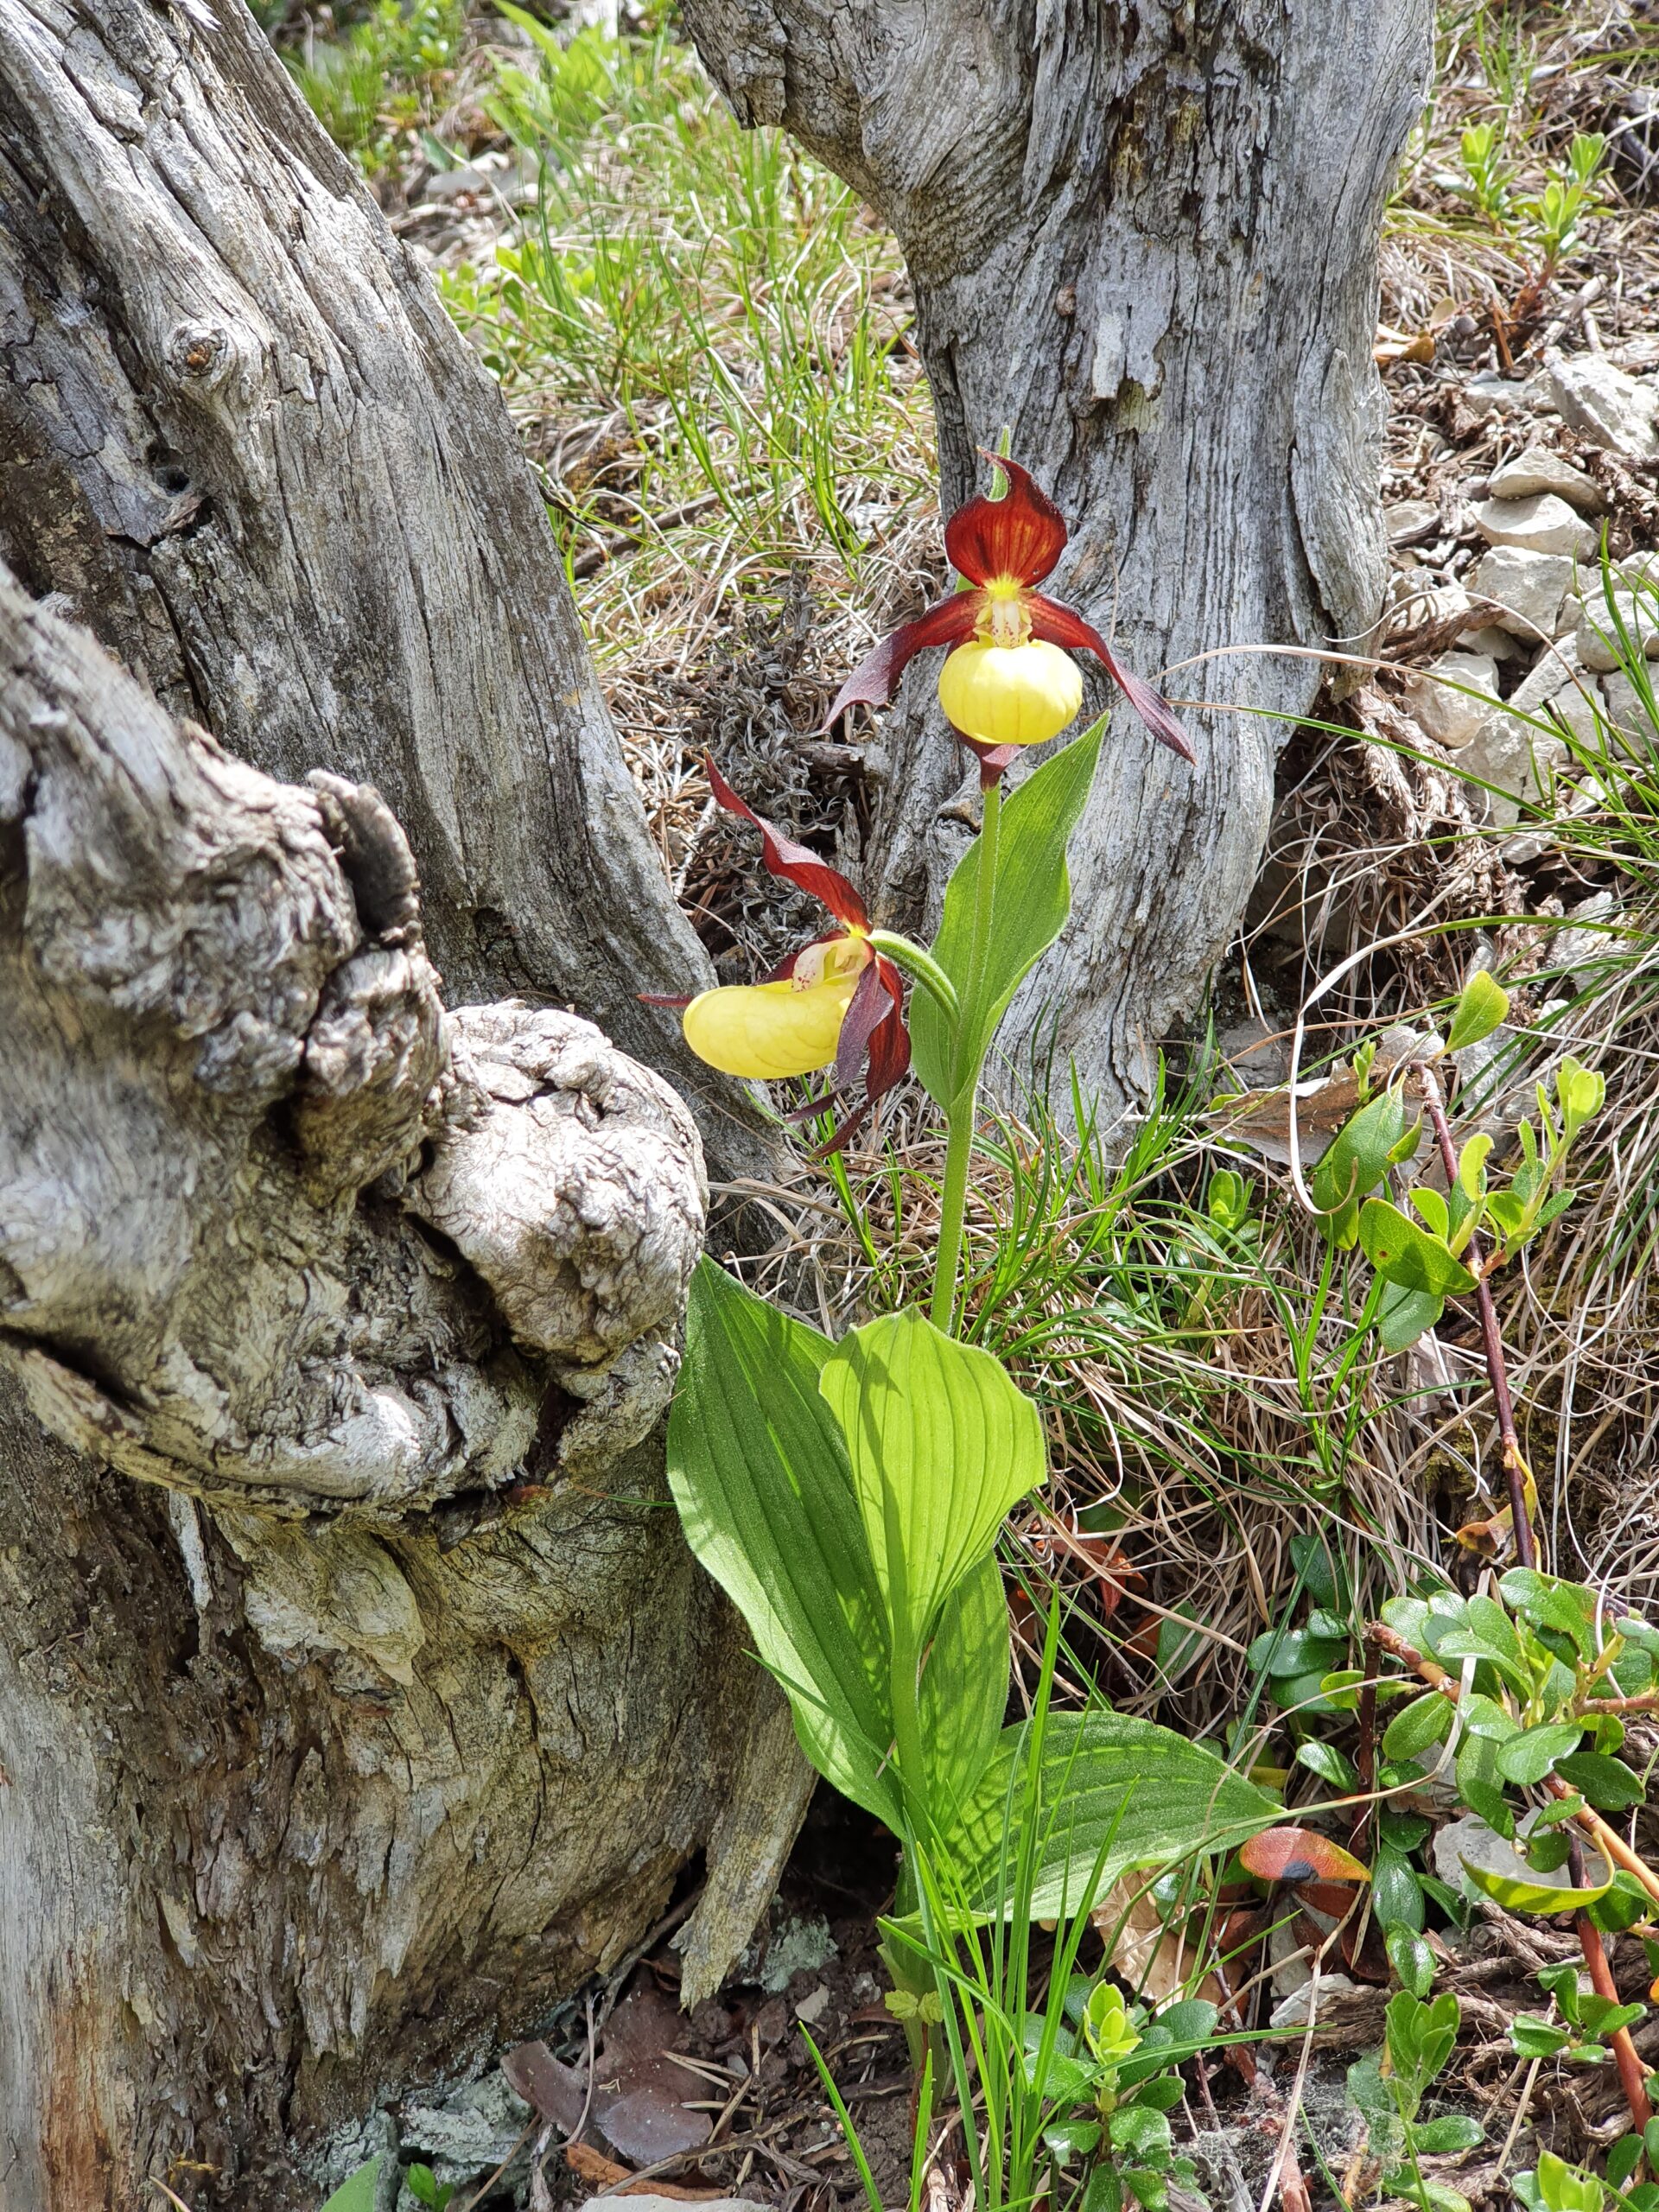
{"x":1293,"y":1855}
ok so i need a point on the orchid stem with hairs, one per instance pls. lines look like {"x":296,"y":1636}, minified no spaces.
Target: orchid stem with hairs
{"x":962,"y":1114}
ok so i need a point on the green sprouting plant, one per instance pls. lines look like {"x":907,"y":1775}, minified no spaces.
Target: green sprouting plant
{"x":1117,"y":2067}
{"x":1555,"y":2186}
{"x":1488,"y":171}
{"x":1552,"y":1668}
{"x":1553,"y":218}
{"x":1544,"y":225}
{"x":1420,"y":1263}
{"x":1389,"y":2088}
{"x":1583,"y":2022}
{"x":425,"y":2187}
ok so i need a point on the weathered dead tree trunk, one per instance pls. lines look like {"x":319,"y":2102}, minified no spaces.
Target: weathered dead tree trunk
{"x":355,"y":1690}
{"x":1143,"y":240}
{"x":356,"y":1695}
{"x":242,"y":437}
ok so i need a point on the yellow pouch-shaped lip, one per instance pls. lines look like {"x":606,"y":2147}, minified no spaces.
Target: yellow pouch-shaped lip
{"x":767,"y":1030}
{"x":1011,"y":695}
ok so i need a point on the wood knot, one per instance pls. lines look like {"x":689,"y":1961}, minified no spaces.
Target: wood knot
{"x":201,"y":353}
{"x":1065,"y":300}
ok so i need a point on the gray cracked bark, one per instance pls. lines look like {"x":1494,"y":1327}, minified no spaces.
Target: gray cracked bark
{"x":242,"y":438}
{"x":1143,"y":240}
{"x":354,"y":1693}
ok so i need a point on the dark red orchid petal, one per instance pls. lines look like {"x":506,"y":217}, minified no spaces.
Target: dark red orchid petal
{"x":872,"y":1034}
{"x":1022,"y":534}
{"x":796,"y":864}
{"x":890,"y":1042}
{"x":866,"y":1010}
{"x":1063,"y":625}
{"x":873,"y":681}
{"x":843,"y":1133}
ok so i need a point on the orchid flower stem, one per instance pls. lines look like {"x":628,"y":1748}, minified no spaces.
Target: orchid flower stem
{"x":920,"y":966}
{"x":959,"y":1122}
{"x":963,"y":1112}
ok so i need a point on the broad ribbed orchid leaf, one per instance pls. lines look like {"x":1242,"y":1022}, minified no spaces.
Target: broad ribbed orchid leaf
{"x":942,"y":1444}
{"x":1033,"y":901}
{"x":358,"y":2191}
{"x":1114,"y":1793}
{"x":964,"y":1690}
{"x":760,"y":1476}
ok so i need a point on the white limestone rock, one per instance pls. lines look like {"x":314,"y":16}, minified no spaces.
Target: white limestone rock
{"x":1580,"y":951}
{"x":1520,"y":757}
{"x":1624,"y":704}
{"x":1530,"y":588}
{"x":1497,"y":644}
{"x":1411,"y":520}
{"x":1537,"y":471}
{"x":1490,"y":394}
{"x":1451,"y":700}
{"x":1542,"y":525}
{"x":1596,"y":638}
{"x":1606,"y":404}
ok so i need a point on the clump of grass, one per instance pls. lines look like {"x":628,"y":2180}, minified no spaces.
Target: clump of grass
{"x":705,"y":335}
{"x":380,"y":78}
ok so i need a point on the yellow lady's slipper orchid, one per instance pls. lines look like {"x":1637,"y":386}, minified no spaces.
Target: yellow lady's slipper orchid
{"x":767,"y":1031}
{"x":1003,"y":685}
{"x":837,"y":1003}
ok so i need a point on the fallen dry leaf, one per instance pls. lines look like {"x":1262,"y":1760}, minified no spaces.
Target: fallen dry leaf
{"x":1298,"y":1855}
{"x":593,"y":2166}
{"x":638,"y":2100}
{"x":1146,"y":1955}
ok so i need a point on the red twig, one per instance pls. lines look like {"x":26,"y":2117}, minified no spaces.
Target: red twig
{"x":1515,"y":1467}
{"x":1632,"y":2074}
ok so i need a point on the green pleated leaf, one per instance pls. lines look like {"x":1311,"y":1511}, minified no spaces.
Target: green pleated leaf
{"x":964,"y":1690}
{"x":357,"y":2192}
{"x":1034,"y":900}
{"x":760,"y":1474}
{"x":940,"y":1446}
{"x":1115,"y":1791}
